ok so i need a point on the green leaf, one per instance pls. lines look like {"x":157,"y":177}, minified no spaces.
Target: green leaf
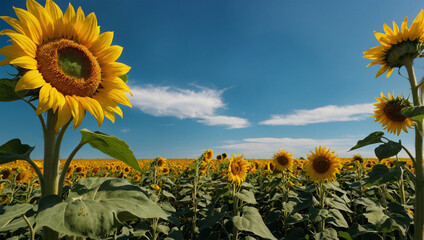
{"x":252,"y":221}
{"x":7,"y":90}
{"x":345,"y":235}
{"x":124,"y":78}
{"x":295,"y":234}
{"x":111,"y":146}
{"x":95,"y":207}
{"x":8,"y":213}
{"x":381,"y":174}
{"x":336,"y":218}
{"x":213,"y":217}
{"x":14,"y":150}
{"x":317,"y":214}
{"x":374,"y":137}
{"x":246,"y":196}
{"x":416,"y":113}
{"x":388,"y":149}
{"x":328,"y":234}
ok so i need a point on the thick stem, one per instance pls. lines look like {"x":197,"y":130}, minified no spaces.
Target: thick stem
{"x":51,"y":167}
{"x":66,"y":166}
{"x":31,"y":229}
{"x":236,"y":212}
{"x":321,"y":191}
{"x":419,"y":178}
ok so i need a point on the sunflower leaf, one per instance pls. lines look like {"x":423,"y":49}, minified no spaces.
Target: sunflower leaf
{"x":416,"y":113}
{"x":374,"y":137}
{"x":387,"y":150}
{"x":95,"y":207}
{"x":14,"y":150}
{"x":251,"y":221}
{"x":7,"y":90}
{"x":110,"y":145}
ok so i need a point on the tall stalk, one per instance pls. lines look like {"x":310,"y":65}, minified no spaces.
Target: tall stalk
{"x":419,"y":178}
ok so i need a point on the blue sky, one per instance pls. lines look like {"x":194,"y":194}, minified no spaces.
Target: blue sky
{"x":236,"y":76}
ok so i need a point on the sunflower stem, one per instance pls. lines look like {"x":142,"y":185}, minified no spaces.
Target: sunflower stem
{"x":321,"y":192}
{"x":235,"y":210}
{"x":51,"y":167}
{"x":419,"y":175}
{"x":66,"y":166}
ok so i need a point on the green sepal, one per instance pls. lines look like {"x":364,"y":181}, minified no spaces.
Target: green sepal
{"x":14,"y":150}
{"x":388,"y":149}
{"x":111,"y":146}
{"x":374,"y":137}
{"x":416,"y":113}
{"x":124,"y":78}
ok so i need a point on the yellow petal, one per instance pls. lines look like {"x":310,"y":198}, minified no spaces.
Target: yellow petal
{"x":24,"y":43}
{"x":110,"y":54}
{"x":89,"y":30}
{"x":46,"y":23}
{"x":25,"y":62}
{"x":116,"y":83}
{"x":30,"y":24}
{"x":93,"y":107}
{"x":76,"y":110}
{"x":30,"y":80}
{"x":404,"y":29}
{"x":67,"y":21}
{"x":12,"y":51}
{"x":13,"y":23}
{"x":102,"y":42}
{"x":382,"y":69}
{"x":44,"y":100}
{"x":115,"y":69}
{"x":389,"y":72}
{"x":64,"y":116}
{"x":119,"y":97}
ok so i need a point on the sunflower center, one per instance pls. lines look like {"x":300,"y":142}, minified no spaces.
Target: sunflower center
{"x":69,"y":67}
{"x":235,"y":169}
{"x":282,"y":160}
{"x":321,"y":164}
{"x":393,"y":112}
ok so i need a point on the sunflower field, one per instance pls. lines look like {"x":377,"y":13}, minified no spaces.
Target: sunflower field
{"x":66,"y":68}
{"x":223,"y":198}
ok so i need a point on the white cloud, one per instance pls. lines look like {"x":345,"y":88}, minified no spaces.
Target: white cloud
{"x":200,"y":104}
{"x":125,"y":130}
{"x":230,"y":122}
{"x":330,"y":113}
{"x":266,"y":147}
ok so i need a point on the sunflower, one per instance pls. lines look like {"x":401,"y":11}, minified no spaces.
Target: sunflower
{"x":23,"y":176}
{"x":65,"y":57}
{"x":161,"y":162}
{"x":208,"y":155}
{"x":397,"y":45}
{"x":237,"y":169}
{"x":388,"y":113}
{"x":283,"y":160}
{"x":322,"y":165}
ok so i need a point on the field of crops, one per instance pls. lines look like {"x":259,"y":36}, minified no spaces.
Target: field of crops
{"x":368,"y":199}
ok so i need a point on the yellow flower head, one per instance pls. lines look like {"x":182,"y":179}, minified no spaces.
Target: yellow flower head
{"x":68,"y":60}
{"x":208,"y":155}
{"x":155,"y":187}
{"x":161,"y":162}
{"x":23,"y":176}
{"x":397,"y":45}
{"x":237,"y":169}
{"x":388,"y":112}
{"x":283,"y":160}
{"x":322,"y":165}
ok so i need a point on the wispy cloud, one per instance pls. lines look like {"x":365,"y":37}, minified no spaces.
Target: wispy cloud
{"x":230,"y":122}
{"x":330,"y":113}
{"x":125,"y":130}
{"x":200,"y":104}
{"x":266,"y":147}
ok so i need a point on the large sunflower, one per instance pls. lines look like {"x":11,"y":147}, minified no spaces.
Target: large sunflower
{"x":322,"y":165}
{"x":237,"y":169}
{"x":388,"y":113}
{"x":397,"y":45}
{"x":68,"y":60}
{"x":283,"y":160}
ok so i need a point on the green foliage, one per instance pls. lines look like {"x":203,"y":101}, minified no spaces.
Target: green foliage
{"x":415,"y":112}
{"x":14,"y":150}
{"x":374,"y":137}
{"x":8,"y":213}
{"x":251,"y":221}
{"x":388,"y":149}
{"x":111,"y":146}
{"x":95,"y":207}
